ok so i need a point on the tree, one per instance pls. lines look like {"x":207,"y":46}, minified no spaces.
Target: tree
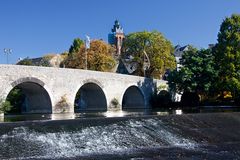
{"x":227,"y":56}
{"x":158,"y":49}
{"x":76,"y":46}
{"x":99,"y":57}
{"x":197,"y":73}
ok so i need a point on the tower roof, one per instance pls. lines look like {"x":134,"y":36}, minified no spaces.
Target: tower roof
{"x":117,"y":28}
{"x":116,"y":22}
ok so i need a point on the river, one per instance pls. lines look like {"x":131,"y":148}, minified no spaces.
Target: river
{"x":128,"y":136}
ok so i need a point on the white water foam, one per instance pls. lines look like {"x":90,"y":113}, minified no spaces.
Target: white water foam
{"x":109,"y":139}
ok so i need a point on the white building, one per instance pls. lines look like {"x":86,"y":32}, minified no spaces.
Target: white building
{"x":178,"y":52}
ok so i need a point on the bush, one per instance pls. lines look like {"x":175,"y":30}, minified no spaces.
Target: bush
{"x":5,"y":106}
{"x":62,"y":106}
{"x":115,"y":103}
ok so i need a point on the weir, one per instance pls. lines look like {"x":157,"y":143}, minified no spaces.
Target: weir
{"x":194,"y":136}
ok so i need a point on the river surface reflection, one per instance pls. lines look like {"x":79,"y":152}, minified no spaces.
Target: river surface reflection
{"x":128,"y":113}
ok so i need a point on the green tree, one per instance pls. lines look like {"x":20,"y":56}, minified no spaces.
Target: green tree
{"x":76,"y":46}
{"x":158,"y":49}
{"x":75,"y":57}
{"x":197,"y":73}
{"x":99,"y":57}
{"x":227,"y":56}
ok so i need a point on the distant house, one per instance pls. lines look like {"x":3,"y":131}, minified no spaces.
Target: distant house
{"x":126,"y":66}
{"x":178,"y":52}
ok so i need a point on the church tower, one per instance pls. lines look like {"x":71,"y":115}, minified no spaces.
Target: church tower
{"x":116,"y":37}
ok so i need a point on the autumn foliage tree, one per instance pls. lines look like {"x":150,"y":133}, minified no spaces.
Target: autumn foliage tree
{"x":99,"y":57}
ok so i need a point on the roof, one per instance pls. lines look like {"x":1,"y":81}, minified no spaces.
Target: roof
{"x":178,"y":50}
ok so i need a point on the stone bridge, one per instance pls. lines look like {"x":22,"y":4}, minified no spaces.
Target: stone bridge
{"x":57,"y":90}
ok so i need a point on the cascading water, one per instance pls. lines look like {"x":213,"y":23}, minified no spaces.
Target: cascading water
{"x":115,"y":138}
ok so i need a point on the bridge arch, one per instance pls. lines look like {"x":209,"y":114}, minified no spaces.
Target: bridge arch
{"x":35,"y":95}
{"x":90,"y":97}
{"x":133,"y":97}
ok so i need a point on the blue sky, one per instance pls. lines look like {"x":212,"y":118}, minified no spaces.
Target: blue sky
{"x":32,"y":28}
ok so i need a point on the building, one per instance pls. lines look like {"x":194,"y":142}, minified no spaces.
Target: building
{"x":116,"y":37}
{"x":178,"y":52}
